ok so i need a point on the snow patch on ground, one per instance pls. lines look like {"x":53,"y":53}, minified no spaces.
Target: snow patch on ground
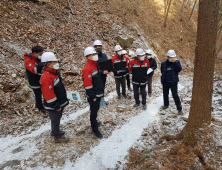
{"x":116,"y":147}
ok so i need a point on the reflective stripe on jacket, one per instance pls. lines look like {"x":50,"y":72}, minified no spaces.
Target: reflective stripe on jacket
{"x":139,"y":71}
{"x":119,"y":65}
{"x":53,"y":90}
{"x":92,"y":80}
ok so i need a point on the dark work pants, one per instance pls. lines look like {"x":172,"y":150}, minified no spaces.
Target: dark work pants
{"x":136,"y":93}
{"x":166,"y":87}
{"x":121,"y":81}
{"x":94,"y":107}
{"x":128,"y":81}
{"x":149,"y":79}
{"x":55,"y":117}
{"x":38,"y":99}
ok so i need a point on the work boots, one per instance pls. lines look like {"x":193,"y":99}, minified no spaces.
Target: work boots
{"x":144,"y":107}
{"x":119,"y":96}
{"x":180,"y":112}
{"x":62,"y":139}
{"x":164,"y":107}
{"x":98,"y":134}
{"x":124,"y":95}
{"x":136,"y":105}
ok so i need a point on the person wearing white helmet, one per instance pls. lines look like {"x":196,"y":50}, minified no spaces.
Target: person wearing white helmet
{"x":153,"y":66}
{"x":138,"y":67}
{"x":94,"y":87}
{"x":119,"y":69}
{"x":124,"y":52}
{"x":102,"y":57}
{"x":34,"y":68}
{"x":54,"y":93}
{"x":170,"y":70}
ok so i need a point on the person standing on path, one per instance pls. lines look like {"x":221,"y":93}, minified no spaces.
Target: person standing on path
{"x":94,"y":87}
{"x":55,"y":98}
{"x":138,"y":67}
{"x":124,"y":52}
{"x":34,"y":70}
{"x":120,"y":64}
{"x":150,"y":73}
{"x":170,"y":70}
{"x":102,"y":57}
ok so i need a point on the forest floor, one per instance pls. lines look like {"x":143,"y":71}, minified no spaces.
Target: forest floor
{"x":132,"y":136}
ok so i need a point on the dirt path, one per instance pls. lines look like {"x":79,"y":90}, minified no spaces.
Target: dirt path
{"x":38,"y":151}
{"x":123,"y":127}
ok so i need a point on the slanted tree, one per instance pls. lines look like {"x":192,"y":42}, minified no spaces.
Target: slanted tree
{"x":167,"y":8}
{"x":201,"y":103}
{"x":193,"y":9}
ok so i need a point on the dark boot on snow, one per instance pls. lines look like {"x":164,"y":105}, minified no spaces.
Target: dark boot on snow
{"x":62,"y":139}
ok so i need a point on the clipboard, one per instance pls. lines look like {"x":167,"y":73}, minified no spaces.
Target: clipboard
{"x":106,"y":65}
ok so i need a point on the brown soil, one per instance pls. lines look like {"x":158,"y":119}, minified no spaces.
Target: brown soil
{"x":192,"y":152}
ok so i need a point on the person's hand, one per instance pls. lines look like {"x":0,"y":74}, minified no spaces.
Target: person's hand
{"x":59,"y":110}
{"x":105,"y":72}
{"x":117,"y":72}
{"x":173,"y":59}
{"x":94,"y":99}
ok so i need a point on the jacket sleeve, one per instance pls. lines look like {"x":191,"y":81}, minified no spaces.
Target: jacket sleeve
{"x":161,"y":68}
{"x":154,"y":64}
{"x":87,"y":81}
{"x":177,"y":66}
{"x":130,"y":66}
{"x":29,"y":65}
{"x":148,"y":63}
{"x":39,"y":68}
{"x":114,"y":69}
{"x":48,"y":93}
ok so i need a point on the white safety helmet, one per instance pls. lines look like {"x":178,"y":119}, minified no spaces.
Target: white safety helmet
{"x":48,"y":56}
{"x":140,"y":51}
{"x":171,"y":53}
{"x":148,"y":51}
{"x":118,"y":48}
{"x":97,"y":42}
{"x":89,"y":50}
{"x":124,"y":52}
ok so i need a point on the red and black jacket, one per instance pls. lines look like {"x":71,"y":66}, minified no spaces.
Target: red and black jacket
{"x":53,"y":90}
{"x":139,"y":71}
{"x":92,"y":80}
{"x":127,"y":67}
{"x":33,"y":69}
{"x":120,"y":64}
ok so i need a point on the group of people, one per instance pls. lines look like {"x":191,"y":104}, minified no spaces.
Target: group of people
{"x":142,"y":69}
{"x":44,"y":78}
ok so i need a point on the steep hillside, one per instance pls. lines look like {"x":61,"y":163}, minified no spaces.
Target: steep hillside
{"x":68,"y":28}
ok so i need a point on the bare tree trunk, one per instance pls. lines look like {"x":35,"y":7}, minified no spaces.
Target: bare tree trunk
{"x":201,"y":103}
{"x":168,"y":8}
{"x":182,"y":10}
{"x":193,"y":9}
